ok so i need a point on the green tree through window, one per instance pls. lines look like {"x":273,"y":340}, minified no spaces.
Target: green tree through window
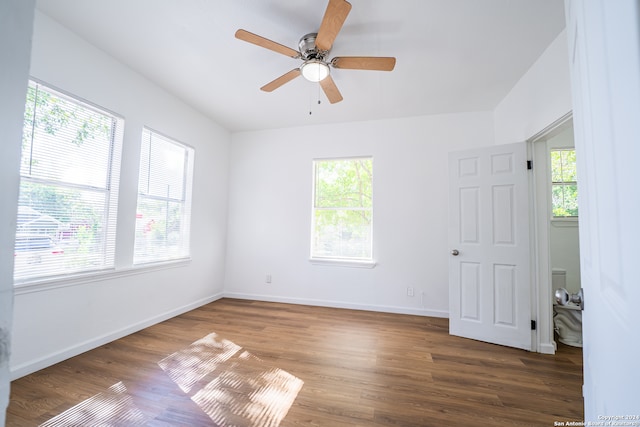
{"x":69,"y":175}
{"x":564,"y":185}
{"x":343,"y":209}
{"x":164,"y":199}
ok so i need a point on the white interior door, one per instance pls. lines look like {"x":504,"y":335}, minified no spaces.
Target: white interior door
{"x":604,"y":47}
{"x":489,"y":278}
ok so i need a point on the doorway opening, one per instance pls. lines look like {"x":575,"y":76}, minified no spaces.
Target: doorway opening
{"x":556,"y":234}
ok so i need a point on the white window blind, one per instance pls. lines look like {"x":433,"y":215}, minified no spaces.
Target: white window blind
{"x":164,"y":199}
{"x":343,"y":209}
{"x":69,"y":175}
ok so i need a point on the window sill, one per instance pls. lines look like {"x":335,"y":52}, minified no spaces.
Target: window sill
{"x":565,"y":222}
{"x":48,"y":283}
{"x":332,"y":262}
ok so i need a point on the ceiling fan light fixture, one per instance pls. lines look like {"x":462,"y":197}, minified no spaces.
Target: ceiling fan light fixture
{"x":314,"y":70}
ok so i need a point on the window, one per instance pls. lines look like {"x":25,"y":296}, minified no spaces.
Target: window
{"x":69,"y":175}
{"x":164,"y":199}
{"x":342,"y":209}
{"x":564,"y":186}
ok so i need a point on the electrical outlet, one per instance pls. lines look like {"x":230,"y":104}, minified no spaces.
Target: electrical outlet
{"x":267,"y":279}
{"x":410,"y":291}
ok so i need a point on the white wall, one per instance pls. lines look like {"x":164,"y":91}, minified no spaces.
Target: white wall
{"x":540,"y":97}
{"x":270,"y":212}
{"x":53,"y":323}
{"x":565,"y":252}
{"x":16,"y":22}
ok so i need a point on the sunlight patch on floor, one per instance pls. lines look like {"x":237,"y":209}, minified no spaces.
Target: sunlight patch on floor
{"x":231,"y":385}
{"x":189,"y":365}
{"x":110,"y":408}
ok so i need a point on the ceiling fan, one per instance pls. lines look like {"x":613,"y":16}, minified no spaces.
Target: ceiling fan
{"x":314,"y":50}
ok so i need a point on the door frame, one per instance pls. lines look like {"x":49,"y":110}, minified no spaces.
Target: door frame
{"x":542,"y":307}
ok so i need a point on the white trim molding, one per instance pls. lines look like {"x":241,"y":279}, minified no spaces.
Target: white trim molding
{"x":332,"y":262}
{"x":338,"y":304}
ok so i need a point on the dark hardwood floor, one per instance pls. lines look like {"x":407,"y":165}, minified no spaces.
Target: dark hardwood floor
{"x":258,"y":364}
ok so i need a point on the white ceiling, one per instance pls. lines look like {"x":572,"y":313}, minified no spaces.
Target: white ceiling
{"x":452,"y":55}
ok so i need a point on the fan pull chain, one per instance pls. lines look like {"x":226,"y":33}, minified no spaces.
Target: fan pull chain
{"x":310,"y":105}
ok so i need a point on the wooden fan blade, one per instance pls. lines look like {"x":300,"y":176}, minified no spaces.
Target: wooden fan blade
{"x":331,"y":90}
{"x":377,"y":63}
{"x":266,"y":43}
{"x":270,"y":87}
{"x":334,"y":17}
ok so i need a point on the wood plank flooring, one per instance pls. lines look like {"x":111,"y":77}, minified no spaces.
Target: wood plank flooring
{"x":259,"y":364}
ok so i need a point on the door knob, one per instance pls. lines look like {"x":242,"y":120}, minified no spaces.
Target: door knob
{"x":455,"y":252}
{"x":563,"y":297}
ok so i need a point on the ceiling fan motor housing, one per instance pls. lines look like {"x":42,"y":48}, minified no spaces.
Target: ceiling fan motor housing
{"x":308,"y":49}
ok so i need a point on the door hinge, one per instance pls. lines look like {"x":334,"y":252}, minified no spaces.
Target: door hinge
{"x":533,"y":325}
{"x":529,"y":164}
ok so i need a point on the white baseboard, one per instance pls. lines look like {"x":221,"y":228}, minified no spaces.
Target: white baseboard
{"x":547,"y":348}
{"x":23,"y":369}
{"x":339,"y":304}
